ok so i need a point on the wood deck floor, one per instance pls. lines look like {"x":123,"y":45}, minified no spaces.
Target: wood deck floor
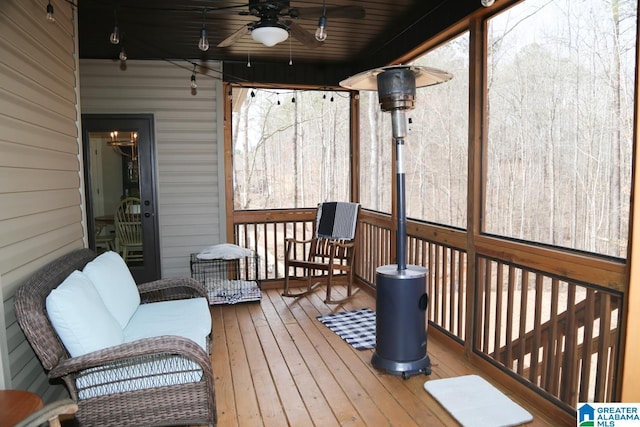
{"x":275,"y":365}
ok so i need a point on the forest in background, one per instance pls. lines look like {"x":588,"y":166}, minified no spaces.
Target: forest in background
{"x":560,"y":87}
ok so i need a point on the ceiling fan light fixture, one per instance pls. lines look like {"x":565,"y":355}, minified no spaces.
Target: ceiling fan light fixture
{"x":270,"y":35}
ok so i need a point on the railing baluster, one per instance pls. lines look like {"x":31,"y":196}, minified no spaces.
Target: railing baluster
{"x":569,"y":365}
{"x":587,"y":345}
{"x":537,"y":322}
{"x":498,"y":311}
{"x":511,"y":284}
{"x":524,"y":292}
{"x":604,"y":344}
{"x":443,"y":282}
{"x":486,"y":318}
{"x":554,"y":344}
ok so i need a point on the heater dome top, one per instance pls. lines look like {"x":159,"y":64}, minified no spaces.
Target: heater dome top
{"x":368,"y":80}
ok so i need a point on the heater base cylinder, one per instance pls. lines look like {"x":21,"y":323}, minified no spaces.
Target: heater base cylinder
{"x":401,"y":335}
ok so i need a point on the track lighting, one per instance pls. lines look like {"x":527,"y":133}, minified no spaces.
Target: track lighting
{"x":123,"y":55}
{"x":203,"y":43}
{"x":50,"y":16}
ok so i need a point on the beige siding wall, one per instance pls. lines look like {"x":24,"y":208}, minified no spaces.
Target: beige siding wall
{"x":190,"y":180}
{"x":41,"y":214}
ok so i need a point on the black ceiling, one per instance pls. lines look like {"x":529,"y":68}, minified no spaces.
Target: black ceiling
{"x":170,"y":29}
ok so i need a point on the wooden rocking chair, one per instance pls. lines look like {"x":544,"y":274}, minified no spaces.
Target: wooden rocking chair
{"x":330,"y":251}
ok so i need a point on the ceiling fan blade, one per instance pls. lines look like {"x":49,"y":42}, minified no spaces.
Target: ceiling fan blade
{"x":303,"y":36}
{"x":350,"y":12}
{"x":241,"y":32}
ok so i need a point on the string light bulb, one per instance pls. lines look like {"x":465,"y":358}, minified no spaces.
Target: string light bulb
{"x":114,"y":38}
{"x":321,"y":31}
{"x":50,"y":13}
{"x":123,"y":55}
{"x":203,"y":43}
{"x":194,"y":84}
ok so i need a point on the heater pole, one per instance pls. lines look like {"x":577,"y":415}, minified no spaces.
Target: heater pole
{"x":399,"y":132}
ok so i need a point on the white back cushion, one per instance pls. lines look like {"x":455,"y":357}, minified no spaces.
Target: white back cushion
{"x":112,"y":278}
{"x":80,"y":318}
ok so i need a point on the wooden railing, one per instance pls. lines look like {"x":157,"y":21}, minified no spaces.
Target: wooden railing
{"x":542,"y":321}
{"x":266,"y":231}
{"x":559,"y":335}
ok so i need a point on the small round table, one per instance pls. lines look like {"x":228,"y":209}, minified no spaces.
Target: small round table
{"x":16,"y":405}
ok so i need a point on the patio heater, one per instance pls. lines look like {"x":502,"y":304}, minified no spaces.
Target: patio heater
{"x":401,"y":298}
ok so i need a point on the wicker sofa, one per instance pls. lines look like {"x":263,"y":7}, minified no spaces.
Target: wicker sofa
{"x":154,"y":380}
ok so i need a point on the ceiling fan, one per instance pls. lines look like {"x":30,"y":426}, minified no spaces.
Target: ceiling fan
{"x":270,"y":30}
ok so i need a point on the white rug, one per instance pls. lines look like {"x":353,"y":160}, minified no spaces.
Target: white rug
{"x":475,"y":402}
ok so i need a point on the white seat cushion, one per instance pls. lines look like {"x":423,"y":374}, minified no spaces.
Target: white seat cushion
{"x":189,"y":318}
{"x":79,"y":316}
{"x":112,"y":278}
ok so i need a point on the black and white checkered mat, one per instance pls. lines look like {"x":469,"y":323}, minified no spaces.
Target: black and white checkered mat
{"x":358,"y":327}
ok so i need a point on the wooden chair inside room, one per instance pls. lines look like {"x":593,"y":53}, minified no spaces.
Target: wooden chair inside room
{"x":128,"y":225}
{"x":329,"y":253}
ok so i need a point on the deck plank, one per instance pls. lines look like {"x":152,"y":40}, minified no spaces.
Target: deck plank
{"x":225,"y":401}
{"x":240,"y":373}
{"x":275,"y":364}
{"x":259,"y":367}
{"x":334,"y":396}
{"x":312,"y":396}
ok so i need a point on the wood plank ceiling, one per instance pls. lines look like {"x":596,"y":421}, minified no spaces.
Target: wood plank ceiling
{"x":169,"y":30}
